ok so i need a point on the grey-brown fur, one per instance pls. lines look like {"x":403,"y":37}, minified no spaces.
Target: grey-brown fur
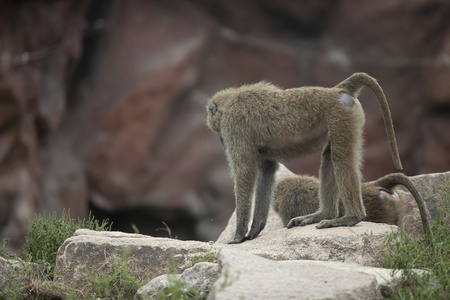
{"x":261,"y":124}
{"x":298,"y":195}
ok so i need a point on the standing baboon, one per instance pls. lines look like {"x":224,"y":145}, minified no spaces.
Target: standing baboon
{"x":298,"y":195}
{"x":260,"y":124}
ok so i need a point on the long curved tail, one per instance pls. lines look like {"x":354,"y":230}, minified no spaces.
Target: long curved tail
{"x":353,"y":86}
{"x":394,"y":179}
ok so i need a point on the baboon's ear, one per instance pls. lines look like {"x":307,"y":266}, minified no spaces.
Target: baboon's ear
{"x":212,"y":107}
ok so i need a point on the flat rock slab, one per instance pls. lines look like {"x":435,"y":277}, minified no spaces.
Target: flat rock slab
{"x":432,"y":188}
{"x":90,"y":253}
{"x":201,"y":277}
{"x":236,"y":269}
{"x":246,"y":276}
{"x":357,"y":244}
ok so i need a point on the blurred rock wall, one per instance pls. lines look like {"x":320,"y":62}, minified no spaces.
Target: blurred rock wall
{"x":40,"y":43}
{"x":102,"y":102}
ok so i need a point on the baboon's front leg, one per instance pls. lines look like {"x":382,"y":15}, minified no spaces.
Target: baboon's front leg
{"x":263,"y":196}
{"x":244,"y":180}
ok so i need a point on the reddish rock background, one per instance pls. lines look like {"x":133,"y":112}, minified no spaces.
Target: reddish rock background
{"x":102,"y":102}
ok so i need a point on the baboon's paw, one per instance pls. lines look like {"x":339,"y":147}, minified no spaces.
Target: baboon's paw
{"x":300,"y":221}
{"x":234,"y":241}
{"x":325,"y":224}
{"x":305,"y":220}
{"x":293,"y":223}
{"x":256,"y":229}
{"x":343,"y":221}
{"x":251,"y":235}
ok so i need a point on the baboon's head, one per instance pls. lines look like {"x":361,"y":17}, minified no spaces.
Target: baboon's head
{"x":216,"y":107}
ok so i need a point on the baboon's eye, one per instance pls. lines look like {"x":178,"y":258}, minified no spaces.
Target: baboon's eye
{"x":213,"y":108}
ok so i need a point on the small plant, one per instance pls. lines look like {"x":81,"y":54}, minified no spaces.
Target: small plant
{"x":135,"y":228}
{"x":177,"y":288}
{"x":34,"y":266}
{"x":366,"y":239}
{"x":47,"y":233}
{"x":199,"y":256}
{"x":407,"y":254}
{"x":117,"y":284}
{"x":166,"y":228}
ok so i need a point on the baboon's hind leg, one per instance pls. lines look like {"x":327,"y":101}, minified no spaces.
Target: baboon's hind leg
{"x":346,"y":147}
{"x":328,"y":194}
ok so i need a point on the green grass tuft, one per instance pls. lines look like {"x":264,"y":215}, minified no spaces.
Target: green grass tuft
{"x":47,"y":233}
{"x":118,"y":284}
{"x":199,"y":256}
{"x":178,"y":289}
{"x":407,"y":254}
{"x":35,"y":263}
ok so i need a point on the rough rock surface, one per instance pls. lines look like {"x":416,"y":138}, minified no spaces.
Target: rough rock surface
{"x":432,"y":188}
{"x":247,"y":276}
{"x":125,"y":93}
{"x":91,"y":253}
{"x":9,"y":273}
{"x":201,"y":277}
{"x":358,"y":244}
{"x":240,"y":271}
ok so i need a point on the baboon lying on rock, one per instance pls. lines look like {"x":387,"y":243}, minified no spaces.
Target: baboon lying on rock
{"x":298,"y":195}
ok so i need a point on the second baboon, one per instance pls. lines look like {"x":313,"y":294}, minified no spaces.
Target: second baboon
{"x":261,"y":124}
{"x":298,"y":195}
